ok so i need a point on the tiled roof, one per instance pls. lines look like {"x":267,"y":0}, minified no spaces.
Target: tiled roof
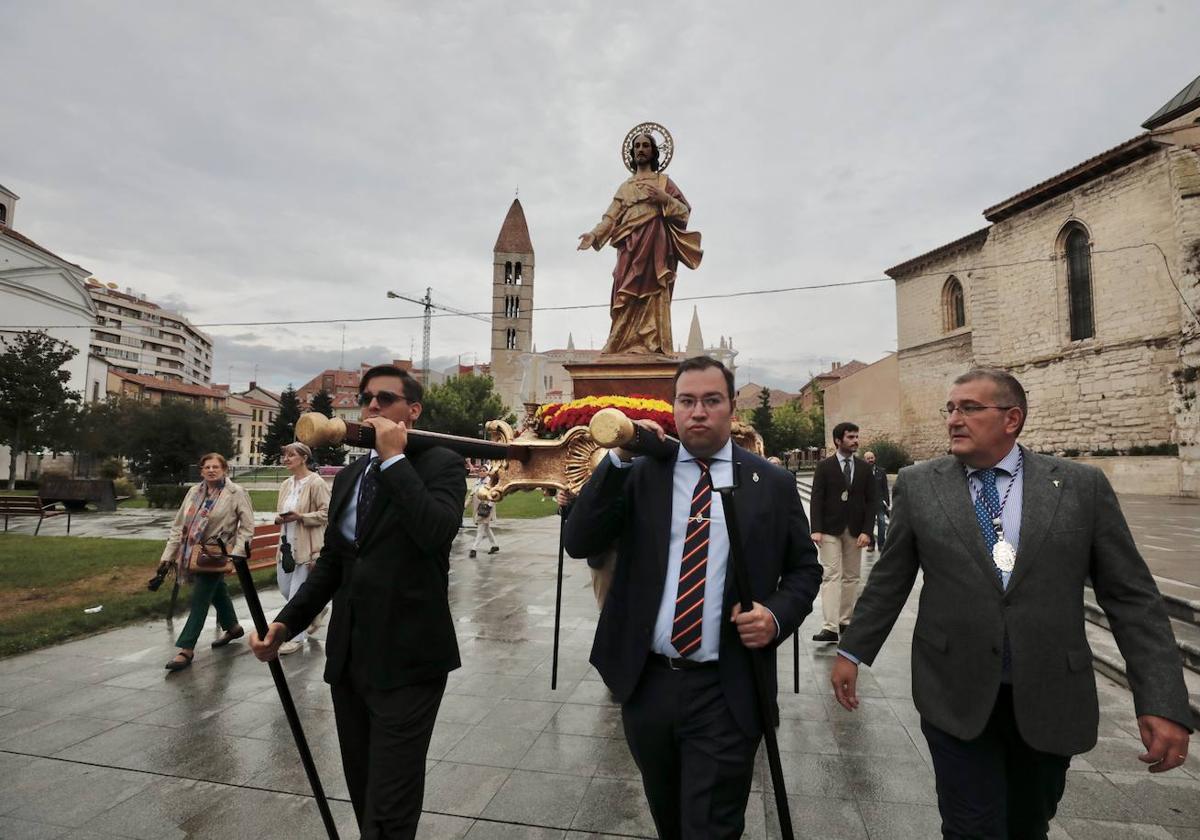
{"x":1180,"y":104}
{"x":25,"y":240}
{"x":514,"y":233}
{"x":968,"y":241}
{"x":153,"y":383}
{"x":1090,"y":169}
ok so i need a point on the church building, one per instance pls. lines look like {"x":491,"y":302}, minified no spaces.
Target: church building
{"x":1087,"y":287}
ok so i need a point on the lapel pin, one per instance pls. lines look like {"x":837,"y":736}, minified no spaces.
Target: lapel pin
{"x":754,"y":477}
{"x":1056,"y":482}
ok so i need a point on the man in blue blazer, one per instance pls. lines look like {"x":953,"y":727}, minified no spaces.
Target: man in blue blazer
{"x":672,"y":644}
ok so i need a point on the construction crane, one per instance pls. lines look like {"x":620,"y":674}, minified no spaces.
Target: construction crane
{"x":429,"y":305}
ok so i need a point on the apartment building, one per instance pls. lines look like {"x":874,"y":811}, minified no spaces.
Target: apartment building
{"x":137,"y":336}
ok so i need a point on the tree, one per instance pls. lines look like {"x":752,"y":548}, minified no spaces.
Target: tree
{"x":282,"y":430}
{"x":791,"y":427}
{"x":816,"y":418}
{"x":461,"y":406}
{"x":37,"y":409}
{"x":322,"y":402}
{"x":762,"y":421}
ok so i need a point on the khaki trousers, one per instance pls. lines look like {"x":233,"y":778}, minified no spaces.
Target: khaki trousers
{"x":842,"y":559}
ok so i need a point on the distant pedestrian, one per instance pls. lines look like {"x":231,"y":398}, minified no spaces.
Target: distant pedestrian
{"x":843,"y":513}
{"x":303,"y":513}
{"x":883,"y":496}
{"x":216,"y":508}
{"x":485,"y":518}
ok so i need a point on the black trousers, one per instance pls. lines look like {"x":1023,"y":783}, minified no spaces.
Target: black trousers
{"x":696,"y":763}
{"x":384,"y":737}
{"x":996,"y":786}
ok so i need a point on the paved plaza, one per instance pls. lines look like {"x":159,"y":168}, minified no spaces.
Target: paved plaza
{"x":98,"y":741}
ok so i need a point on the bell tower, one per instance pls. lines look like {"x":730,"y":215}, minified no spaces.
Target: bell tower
{"x":512,"y":304}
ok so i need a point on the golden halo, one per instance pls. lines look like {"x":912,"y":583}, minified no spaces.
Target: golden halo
{"x":666,"y":145}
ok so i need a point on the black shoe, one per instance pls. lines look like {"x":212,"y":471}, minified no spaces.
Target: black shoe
{"x":471,"y":553}
{"x":826,"y":636}
{"x":493,"y":549}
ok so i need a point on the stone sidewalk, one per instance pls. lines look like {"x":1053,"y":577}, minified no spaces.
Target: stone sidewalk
{"x":98,"y":741}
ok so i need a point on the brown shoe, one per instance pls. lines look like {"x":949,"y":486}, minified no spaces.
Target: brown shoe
{"x":228,"y":636}
{"x":182,"y":660}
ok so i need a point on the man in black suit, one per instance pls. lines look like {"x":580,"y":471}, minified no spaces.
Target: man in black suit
{"x":843,"y":513}
{"x":883,"y":500}
{"x":672,"y":644}
{"x":385,"y":564}
{"x":1002,"y":675}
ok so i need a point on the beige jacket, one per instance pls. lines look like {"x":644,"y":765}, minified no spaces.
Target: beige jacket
{"x":313,"y":507}
{"x":231,"y":520}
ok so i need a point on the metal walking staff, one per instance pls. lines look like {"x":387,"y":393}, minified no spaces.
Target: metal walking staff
{"x":285,"y":695}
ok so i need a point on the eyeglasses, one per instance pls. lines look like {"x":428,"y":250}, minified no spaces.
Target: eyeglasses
{"x":711,"y":402}
{"x":970,"y":409}
{"x":386,"y":399}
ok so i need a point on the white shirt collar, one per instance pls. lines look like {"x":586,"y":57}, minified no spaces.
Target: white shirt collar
{"x":725,"y":453}
{"x":1008,"y":463}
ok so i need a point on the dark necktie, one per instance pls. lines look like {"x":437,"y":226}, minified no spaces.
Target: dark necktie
{"x":367,"y":491}
{"x":987,"y":505}
{"x":846,"y":472}
{"x":693,"y":568}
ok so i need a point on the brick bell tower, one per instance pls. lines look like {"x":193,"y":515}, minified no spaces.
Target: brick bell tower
{"x":512,"y":304}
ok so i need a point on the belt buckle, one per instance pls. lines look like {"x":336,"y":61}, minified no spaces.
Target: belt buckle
{"x":671,"y":664}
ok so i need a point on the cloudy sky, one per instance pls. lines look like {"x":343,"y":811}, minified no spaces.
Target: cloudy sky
{"x":282,"y":161}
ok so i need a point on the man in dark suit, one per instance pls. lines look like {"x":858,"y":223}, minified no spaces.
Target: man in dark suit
{"x":672,"y":644}
{"x":843,"y":513}
{"x":883,"y":502}
{"x":1001,"y":667}
{"x":385,"y":564}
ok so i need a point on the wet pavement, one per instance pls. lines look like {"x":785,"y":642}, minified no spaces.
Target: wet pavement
{"x":98,"y":741}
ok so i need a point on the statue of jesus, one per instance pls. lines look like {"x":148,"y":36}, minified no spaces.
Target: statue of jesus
{"x":647,"y":224}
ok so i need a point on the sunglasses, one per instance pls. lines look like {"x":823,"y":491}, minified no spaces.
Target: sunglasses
{"x":386,"y":399}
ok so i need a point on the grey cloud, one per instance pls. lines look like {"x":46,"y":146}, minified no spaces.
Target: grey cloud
{"x":294,"y":163}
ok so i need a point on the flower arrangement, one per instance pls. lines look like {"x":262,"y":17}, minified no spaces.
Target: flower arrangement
{"x":556,"y":418}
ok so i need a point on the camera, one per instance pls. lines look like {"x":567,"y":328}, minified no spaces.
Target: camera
{"x":160,"y":575}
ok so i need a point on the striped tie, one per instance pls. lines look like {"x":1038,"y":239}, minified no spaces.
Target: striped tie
{"x":689,"y":605}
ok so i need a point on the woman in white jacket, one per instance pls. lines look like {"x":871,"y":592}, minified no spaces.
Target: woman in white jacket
{"x":303,"y":513}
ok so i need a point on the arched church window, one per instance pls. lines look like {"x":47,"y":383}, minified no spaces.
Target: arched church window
{"x":954,"y":305}
{"x":517,"y":274}
{"x":508,"y":272}
{"x":510,"y":339}
{"x":1078,"y":253}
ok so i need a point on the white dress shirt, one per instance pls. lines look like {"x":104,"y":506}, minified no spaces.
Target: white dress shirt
{"x":349,"y":520}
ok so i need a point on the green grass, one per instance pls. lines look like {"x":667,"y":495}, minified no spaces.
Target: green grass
{"x":263,"y":501}
{"x":47,"y":582}
{"x":529,"y":504}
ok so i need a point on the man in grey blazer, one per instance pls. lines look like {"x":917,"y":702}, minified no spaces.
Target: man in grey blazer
{"x":1001,"y":666}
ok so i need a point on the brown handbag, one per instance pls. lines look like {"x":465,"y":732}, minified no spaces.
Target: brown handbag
{"x":206,"y":558}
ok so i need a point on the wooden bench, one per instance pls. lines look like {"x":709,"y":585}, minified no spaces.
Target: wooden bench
{"x":30,"y":506}
{"x":264,"y":546}
{"x":75,"y":493}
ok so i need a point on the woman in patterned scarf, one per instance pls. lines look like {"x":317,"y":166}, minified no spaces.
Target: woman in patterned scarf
{"x":216,"y":508}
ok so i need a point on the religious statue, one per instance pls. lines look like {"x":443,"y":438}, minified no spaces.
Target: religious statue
{"x":647,"y":224}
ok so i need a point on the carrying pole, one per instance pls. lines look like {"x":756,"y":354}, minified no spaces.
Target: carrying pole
{"x":562,"y":527}
{"x":285,"y":695}
{"x":741,"y":577}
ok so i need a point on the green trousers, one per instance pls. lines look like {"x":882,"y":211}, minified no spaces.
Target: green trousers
{"x":207,"y":589}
